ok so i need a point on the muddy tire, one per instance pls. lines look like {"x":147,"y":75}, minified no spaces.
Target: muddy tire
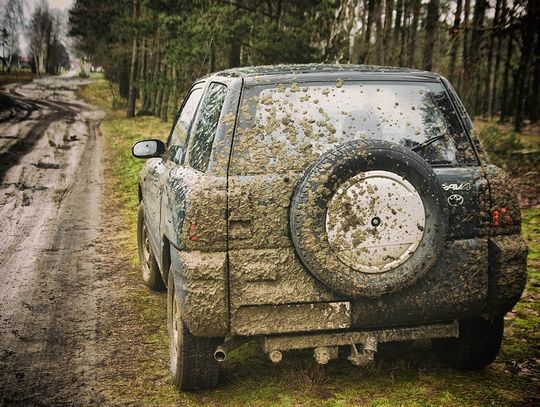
{"x":192,"y":362}
{"x":368,"y":218}
{"x":478,"y":344}
{"x":149,"y":266}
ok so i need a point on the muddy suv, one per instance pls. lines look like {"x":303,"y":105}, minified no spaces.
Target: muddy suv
{"x":323,"y":207}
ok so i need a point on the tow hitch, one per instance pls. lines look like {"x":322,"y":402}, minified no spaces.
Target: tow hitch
{"x":326,"y":345}
{"x":368,"y":352}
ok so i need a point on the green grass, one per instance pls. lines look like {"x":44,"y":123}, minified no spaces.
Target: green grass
{"x":16,"y":76}
{"x":405,"y":374}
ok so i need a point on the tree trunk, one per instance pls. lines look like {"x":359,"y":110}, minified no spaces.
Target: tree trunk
{"x":212,"y":55}
{"x":166,"y":94}
{"x":404,"y":32}
{"x":454,"y":41}
{"x":387,"y":39}
{"x":175,"y":90}
{"x":498,"y":52}
{"x":367,"y":40}
{"x":236,"y":46}
{"x":155,"y":81}
{"x":506,"y":78}
{"x":132,"y":97}
{"x":534,"y":105}
{"x":431,"y":33}
{"x":475,"y":55}
{"x":234,"y":57}
{"x":527,"y":45}
{"x":416,"y":6}
{"x":162,"y":73}
{"x":47,"y":48}
{"x":153,"y":56}
{"x":379,"y":32}
{"x":357,"y":43}
{"x":36,"y":63}
{"x":465,"y":65}
{"x":142,"y":72}
{"x":397,"y":25}
{"x":488,"y":94}
{"x":123,"y":76}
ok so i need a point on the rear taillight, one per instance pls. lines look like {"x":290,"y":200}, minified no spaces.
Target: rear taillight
{"x":193,"y":232}
{"x":504,"y":207}
{"x":501,"y":217}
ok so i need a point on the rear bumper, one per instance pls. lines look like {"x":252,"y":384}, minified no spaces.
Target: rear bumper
{"x":507,"y":272}
{"x":455,"y":287}
{"x":472,"y":277}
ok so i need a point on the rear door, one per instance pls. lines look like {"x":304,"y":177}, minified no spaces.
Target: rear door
{"x":283,"y":127}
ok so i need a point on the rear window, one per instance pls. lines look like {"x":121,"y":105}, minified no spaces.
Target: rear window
{"x":287,"y":127}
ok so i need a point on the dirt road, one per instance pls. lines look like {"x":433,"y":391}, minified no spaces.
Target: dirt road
{"x":50,"y":287}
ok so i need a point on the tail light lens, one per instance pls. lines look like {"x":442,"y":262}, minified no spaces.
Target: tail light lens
{"x":501,"y":217}
{"x":193,"y":232}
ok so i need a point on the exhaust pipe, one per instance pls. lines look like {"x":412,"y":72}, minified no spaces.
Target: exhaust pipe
{"x":220,"y":354}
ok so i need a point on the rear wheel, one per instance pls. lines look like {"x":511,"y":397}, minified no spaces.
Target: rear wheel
{"x":192,"y":362}
{"x":476,"y":347}
{"x":149,"y":267}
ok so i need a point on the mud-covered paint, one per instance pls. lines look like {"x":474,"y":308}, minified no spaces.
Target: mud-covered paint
{"x":200,"y":281}
{"x":507,"y":273}
{"x":455,"y":287}
{"x":287,"y":318}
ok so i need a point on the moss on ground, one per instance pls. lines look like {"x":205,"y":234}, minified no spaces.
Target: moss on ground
{"x":405,"y":374}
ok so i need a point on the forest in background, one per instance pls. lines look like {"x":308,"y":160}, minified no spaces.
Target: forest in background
{"x":152,"y":50}
{"x":43,"y":30}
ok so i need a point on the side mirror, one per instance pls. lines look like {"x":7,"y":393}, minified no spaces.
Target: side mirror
{"x":148,"y":148}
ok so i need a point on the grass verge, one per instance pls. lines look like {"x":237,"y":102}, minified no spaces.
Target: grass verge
{"x":404,"y":374}
{"x":16,"y":76}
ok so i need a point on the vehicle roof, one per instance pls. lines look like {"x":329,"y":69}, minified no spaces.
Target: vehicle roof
{"x":272,"y":73}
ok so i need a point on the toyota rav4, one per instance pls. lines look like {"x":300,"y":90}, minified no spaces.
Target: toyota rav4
{"x":318,"y":207}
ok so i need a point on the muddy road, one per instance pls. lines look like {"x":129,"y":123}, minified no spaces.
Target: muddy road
{"x":50,"y":287}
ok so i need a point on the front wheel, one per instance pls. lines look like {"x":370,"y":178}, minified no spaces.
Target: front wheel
{"x":192,"y":362}
{"x":149,"y":267}
{"x":476,"y":347}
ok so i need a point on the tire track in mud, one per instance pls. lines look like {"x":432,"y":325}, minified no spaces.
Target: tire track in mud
{"x":23,"y":145}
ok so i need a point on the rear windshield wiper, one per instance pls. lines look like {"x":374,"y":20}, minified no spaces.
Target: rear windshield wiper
{"x":428,"y":142}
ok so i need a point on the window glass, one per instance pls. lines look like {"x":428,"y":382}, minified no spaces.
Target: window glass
{"x":179,"y":134}
{"x":206,"y":126}
{"x":287,"y":127}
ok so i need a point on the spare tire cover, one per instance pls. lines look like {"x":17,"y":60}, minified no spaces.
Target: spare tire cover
{"x":368,"y":218}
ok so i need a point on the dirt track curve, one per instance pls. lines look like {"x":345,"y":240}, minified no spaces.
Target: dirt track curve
{"x":50,"y":288}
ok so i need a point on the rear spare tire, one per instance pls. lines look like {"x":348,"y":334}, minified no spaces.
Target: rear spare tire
{"x":368,"y":218}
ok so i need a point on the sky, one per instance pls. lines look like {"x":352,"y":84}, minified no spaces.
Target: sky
{"x":61,"y":4}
